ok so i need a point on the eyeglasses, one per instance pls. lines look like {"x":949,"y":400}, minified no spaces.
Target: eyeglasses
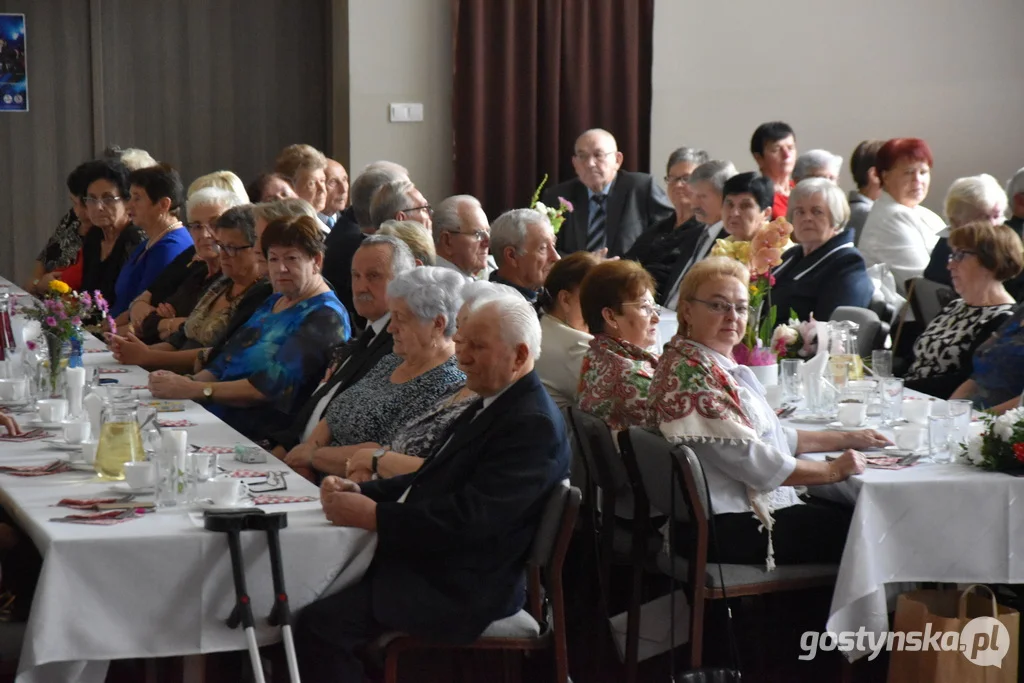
{"x":200,"y":226}
{"x":959,"y":256}
{"x":107,"y":201}
{"x":723,"y":307}
{"x":425,"y":207}
{"x":648,"y":308}
{"x":596,"y":156}
{"x":677,"y":179}
{"x":232,"y":250}
{"x":477,"y":235}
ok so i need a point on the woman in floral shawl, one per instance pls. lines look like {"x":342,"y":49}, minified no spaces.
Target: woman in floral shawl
{"x":617,"y":301}
{"x":701,"y":396}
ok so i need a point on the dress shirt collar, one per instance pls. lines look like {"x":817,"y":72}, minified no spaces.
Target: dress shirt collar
{"x":604,"y":191}
{"x":488,"y":400}
{"x":380,"y":323}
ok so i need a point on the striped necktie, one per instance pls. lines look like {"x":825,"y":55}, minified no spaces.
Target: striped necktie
{"x":595,"y":231}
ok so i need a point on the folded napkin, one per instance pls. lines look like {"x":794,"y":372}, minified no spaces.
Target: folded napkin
{"x":107,"y":518}
{"x":219,"y":450}
{"x":271,"y":499}
{"x":55,"y":467}
{"x":30,"y":435}
{"x":890,"y":462}
{"x":170,"y":424}
{"x":97,"y":351}
{"x":113,"y":371}
{"x":164,"y":406}
{"x":139,"y":387}
{"x":85,"y":503}
{"x":246,"y":474}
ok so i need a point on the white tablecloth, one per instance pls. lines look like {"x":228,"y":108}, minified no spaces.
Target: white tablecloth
{"x":160,"y":585}
{"x":946,"y":523}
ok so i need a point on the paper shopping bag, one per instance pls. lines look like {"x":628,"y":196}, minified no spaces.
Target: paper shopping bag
{"x":948,"y":636}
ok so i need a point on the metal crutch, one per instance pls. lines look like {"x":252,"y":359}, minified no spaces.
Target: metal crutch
{"x":280,"y":615}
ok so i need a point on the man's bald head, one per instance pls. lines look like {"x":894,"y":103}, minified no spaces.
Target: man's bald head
{"x":596,"y":159}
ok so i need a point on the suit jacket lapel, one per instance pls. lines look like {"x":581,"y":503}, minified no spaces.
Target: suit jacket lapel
{"x":580,"y":215}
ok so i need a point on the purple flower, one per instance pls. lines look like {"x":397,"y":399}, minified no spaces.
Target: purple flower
{"x":112,"y":324}
{"x":85,"y":299}
{"x":51,"y":321}
{"x":566,"y":204}
{"x":62,"y":314}
{"x":31,"y":345}
{"x":76,"y":321}
{"x":51,"y":305}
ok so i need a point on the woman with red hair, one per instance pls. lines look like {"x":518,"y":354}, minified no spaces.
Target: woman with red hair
{"x":899,"y":231}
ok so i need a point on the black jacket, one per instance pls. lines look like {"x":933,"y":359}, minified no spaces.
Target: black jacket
{"x":341,"y":246}
{"x":832,"y":275}
{"x":450,"y":559}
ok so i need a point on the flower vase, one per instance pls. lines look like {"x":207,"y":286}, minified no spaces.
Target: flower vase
{"x":57,"y":351}
{"x":767,"y":375}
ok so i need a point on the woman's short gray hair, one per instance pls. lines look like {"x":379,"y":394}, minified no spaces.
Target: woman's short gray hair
{"x":509,"y":230}
{"x":415,"y":237}
{"x":1015,"y":185}
{"x":974,"y":198}
{"x":402,"y":259}
{"x":815,"y":159}
{"x":213,"y":196}
{"x":686,"y":155}
{"x":715,"y":172}
{"x":517,"y":318}
{"x":430,"y":292}
{"x":835,"y":199}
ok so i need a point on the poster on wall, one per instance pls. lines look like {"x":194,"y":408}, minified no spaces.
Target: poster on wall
{"x":13,"y":65}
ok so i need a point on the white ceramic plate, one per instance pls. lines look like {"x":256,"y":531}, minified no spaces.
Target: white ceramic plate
{"x":840,"y":427}
{"x":63,"y":445}
{"x":122,"y":488}
{"x":17,"y":403}
{"x":45,"y":425}
{"x":809,"y":419}
{"x":209,"y":505}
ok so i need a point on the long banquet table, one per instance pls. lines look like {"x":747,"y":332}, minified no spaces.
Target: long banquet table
{"x":159,"y":585}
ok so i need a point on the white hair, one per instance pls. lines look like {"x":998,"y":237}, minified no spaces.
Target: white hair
{"x":835,"y":199}
{"x":715,"y":172}
{"x":213,"y":196}
{"x":402,"y":260}
{"x":415,"y":236}
{"x":975,"y":198}
{"x":1015,"y":185}
{"x":814,"y":159}
{"x":517,"y":319}
{"x":509,"y":230}
{"x":430,"y":292}
{"x":134,"y":158}
{"x":446,"y":214}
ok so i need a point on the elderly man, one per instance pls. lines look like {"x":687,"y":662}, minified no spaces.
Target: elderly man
{"x":817,"y":163}
{"x":773,"y":146}
{"x":612,"y":207}
{"x":452,"y":538}
{"x":400,"y":200}
{"x":707,"y":182}
{"x":341,"y":244}
{"x":377,"y":261}
{"x":462,"y":236}
{"x":869,"y":185}
{"x":337,"y":192}
{"x":523,"y":245}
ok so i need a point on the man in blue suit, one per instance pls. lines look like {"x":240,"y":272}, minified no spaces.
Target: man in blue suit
{"x":452,"y":538}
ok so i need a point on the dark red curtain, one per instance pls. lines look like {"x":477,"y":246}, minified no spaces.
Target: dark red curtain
{"x":531,"y":75}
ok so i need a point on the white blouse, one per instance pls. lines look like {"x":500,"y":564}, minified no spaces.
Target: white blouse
{"x":562,"y":349}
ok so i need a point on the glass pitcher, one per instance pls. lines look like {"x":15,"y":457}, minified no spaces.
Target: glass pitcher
{"x":120,"y":438}
{"x":844,"y":346}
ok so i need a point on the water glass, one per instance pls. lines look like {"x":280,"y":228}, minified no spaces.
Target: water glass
{"x":202,"y":467}
{"x":171,"y":474}
{"x":892,"y":400}
{"x":940,"y":431}
{"x":960,"y":412}
{"x":151,"y":438}
{"x":790,"y":380}
{"x":881,"y":363}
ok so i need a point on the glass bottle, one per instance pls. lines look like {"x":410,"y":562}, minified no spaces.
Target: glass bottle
{"x":120,"y":439}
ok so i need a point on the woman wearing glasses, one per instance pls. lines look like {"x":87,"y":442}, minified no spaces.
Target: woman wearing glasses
{"x":617,"y":300}
{"x":238,"y":270}
{"x":113,"y":238}
{"x":982,"y":256}
{"x":157,"y":313}
{"x":61,"y":258}
{"x":700,"y":396}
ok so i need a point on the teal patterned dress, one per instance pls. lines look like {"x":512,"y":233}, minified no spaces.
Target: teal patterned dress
{"x":284,"y":356}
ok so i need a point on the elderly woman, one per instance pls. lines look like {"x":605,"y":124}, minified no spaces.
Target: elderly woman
{"x":565,"y":339}
{"x":106,"y":249}
{"x":746,"y":205}
{"x":271,"y":365}
{"x":158,"y":312}
{"x":825,"y":271}
{"x":61,"y":258}
{"x":751,"y":469}
{"x":419,"y":241}
{"x":156,"y":200}
{"x":421,"y":370}
{"x":817,"y":163}
{"x":617,"y":301}
{"x":975,"y":198}
{"x":269,"y":187}
{"x":983,"y":256}
{"x":305,"y":168}
{"x":237,"y":271}
{"x":899,"y":231}
{"x":665,"y":236}
{"x":221,"y":180}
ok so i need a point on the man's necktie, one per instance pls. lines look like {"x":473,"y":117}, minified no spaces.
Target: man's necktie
{"x":595,"y":231}
{"x":331,"y":220}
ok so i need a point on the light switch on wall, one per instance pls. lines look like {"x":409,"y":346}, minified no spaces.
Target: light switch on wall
{"x":406,"y":112}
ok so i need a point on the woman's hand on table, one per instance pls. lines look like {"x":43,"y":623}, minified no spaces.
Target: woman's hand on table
{"x":333,"y":484}
{"x":851,"y":462}
{"x":10,"y":423}
{"x":360,"y":466}
{"x":301,"y":456}
{"x":128,"y":349}
{"x":864,"y":439}
{"x":166,"y":384}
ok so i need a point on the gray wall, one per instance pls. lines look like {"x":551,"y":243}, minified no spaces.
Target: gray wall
{"x":201,"y":84}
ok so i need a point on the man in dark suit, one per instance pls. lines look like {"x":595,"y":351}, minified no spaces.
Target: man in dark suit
{"x":377,"y":261}
{"x":452,"y":538}
{"x":611,"y":208}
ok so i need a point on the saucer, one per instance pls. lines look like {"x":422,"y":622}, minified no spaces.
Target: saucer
{"x":14,"y":403}
{"x":840,"y":427}
{"x":45,"y":425}
{"x":209,"y":506}
{"x":807,"y":418}
{"x":63,"y":445}
{"x":122,"y":487}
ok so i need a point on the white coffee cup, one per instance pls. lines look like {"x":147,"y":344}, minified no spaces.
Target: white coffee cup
{"x":13,"y":389}
{"x":140,"y":474}
{"x":909,"y":437}
{"x":52,"y":410}
{"x":224,"y":490}
{"x":852,"y":413}
{"x":77,"y":431}
{"x":89,"y":452}
{"x":916,"y":410}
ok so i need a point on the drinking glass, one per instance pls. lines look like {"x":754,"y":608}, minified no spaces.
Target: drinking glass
{"x":881,"y":363}
{"x":892,"y":400}
{"x":960,"y":412}
{"x":940,"y":430}
{"x":151,"y":437}
{"x":202,"y":467}
{"x":791,"y":389}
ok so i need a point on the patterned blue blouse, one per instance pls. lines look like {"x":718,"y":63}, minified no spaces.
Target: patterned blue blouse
{"x":999,"y":363}
{"x":283,"y":355}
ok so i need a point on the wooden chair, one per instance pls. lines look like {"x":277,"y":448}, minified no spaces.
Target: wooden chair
{"x":649,"y":458}
{"x":542,"y":624}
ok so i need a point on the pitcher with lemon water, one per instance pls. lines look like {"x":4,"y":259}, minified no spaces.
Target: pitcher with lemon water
{"x":120,"y":436}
